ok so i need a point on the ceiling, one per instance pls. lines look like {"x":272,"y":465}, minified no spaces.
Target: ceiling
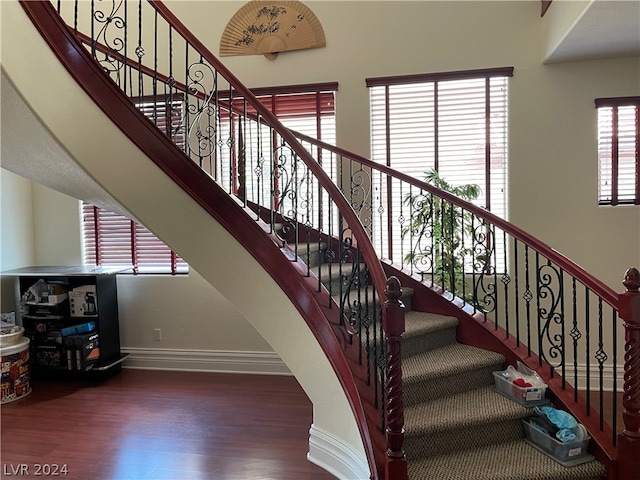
{"x":606,"y":29}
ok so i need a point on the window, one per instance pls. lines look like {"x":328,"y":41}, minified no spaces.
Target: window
{"x":310,"y":110}
{"x":113,"y":239}
{"x":455,"y":123}
{"x":618,"y":158}
{"x":263,"y":171}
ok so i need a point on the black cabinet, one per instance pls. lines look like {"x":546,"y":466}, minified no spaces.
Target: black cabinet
{"x":70,"y":315}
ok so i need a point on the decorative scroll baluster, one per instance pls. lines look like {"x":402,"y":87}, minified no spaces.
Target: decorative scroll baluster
{"x":629,"y":439}
{"x":393,"y":324}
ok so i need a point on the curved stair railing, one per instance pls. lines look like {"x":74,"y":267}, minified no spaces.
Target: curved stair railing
{"x":210,"y":134}
{"x":541,"y":305}
{"x":556,"y":317}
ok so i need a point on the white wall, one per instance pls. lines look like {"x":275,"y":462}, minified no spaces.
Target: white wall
{"x":42,"y":227}
{"x":16,"y":232}
{"x":553,"y":163}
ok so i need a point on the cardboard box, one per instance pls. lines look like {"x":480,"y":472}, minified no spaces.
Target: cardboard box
{"x":36,"y":325}
{"x":78,"y":329}
{"x":49,"y":351}
{"x":83,"y":301}
{"x":82,"y":351}
{"x":46,"y":310}
{"x":56,"y":288}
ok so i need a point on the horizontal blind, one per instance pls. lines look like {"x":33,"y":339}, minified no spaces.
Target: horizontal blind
{"x":113,"y":239}
{"x":456,"y":124}
{"x":618,"y":157}
{"x":165,"y":111}
{"x":308,"y":109}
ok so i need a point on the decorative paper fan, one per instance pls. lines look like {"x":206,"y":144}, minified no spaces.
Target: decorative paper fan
{"x":269,"y":27}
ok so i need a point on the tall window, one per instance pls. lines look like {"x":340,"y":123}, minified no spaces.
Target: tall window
{"x":618,"y":157}
{"x":455,"y":123}
{"x":112,"y":239}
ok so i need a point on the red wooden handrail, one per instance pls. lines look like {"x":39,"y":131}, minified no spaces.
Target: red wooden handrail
{"x":596,"y":286}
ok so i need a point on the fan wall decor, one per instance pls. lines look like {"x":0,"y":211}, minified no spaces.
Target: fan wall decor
{"x":268,"y":28}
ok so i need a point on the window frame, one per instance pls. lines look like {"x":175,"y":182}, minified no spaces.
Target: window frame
{"x":609,"y":195}
{"x":390,"y":238}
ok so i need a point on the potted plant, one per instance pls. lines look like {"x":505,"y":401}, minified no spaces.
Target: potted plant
{"x":441,"y":235}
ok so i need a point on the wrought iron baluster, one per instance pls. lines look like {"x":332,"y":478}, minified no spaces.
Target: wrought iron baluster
{"x":587,"y":348}
{"x":575,"y":335}
{"x":517,"y":290}
{"x":601,"y":356}
{"x":527,"y":296}
{"x":506,"y":280}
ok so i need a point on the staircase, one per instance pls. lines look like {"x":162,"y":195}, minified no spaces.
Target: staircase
{"x":431,"y":398}
{"x":457,"y":427}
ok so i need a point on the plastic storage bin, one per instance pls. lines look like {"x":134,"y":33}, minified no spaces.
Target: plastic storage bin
{"x":526,"y":396}
{"x":567,"y":453}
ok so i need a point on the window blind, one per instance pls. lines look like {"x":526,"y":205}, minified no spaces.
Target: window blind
{"x":269,"y":170}
{"x":455,"y":123}
{"x":618,"y":157}
{"x":113,"y":239}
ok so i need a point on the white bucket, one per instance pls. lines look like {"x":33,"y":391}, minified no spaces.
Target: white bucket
{"x":15,"y":378}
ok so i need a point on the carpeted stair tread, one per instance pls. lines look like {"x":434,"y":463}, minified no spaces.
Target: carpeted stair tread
{"x":427,"y":331}
{"x":466,"y":409}
{"x":471,"y":419}
{"x":422,"y":323}
{"x":446,"y":371}
{"x":515,"y":460}
{"x":446,"y":361}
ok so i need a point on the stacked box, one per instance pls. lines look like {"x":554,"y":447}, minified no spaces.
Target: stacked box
{"x":36,"y":325}
{"x":49,"y":351}
{"x":83,"y":301}
{"x":45,"y":309}
{"x":79,"y":328}
{"x":82,"y":351}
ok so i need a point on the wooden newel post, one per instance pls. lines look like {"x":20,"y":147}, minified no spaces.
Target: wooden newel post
{"x":629,"y":439}
{"x":393,"y":325}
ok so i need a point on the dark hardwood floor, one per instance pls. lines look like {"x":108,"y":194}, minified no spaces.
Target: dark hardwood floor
{"x":157,"y":425}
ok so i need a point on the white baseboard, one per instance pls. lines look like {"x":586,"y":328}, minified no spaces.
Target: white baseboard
{"x":335,"y":456}
{"x":594,"y":371}
{"x":263,"y":363}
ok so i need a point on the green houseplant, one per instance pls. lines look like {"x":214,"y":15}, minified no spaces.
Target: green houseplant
{"x":441,"y":234}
